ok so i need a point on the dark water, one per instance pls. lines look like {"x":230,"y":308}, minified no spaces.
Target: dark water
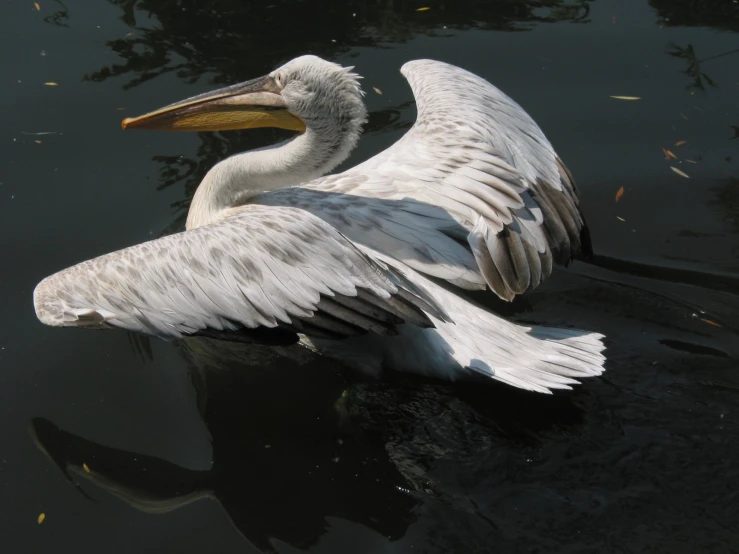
{"x":195,"y":448}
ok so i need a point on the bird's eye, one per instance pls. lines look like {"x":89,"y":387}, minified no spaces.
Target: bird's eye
{"x":280,"y":79}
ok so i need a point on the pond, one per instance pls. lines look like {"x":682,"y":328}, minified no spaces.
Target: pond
{"x":134,"y":445}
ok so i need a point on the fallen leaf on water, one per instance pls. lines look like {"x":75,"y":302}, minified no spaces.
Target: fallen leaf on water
{"x":51,"y":84}
{"x":711,"y":322}
{"x":38,"y":9}
{"x":680,"y":142}
{"x":681,"y":173}
{"x":377,"y":90}
{"x":41,"y":518}
{"x":423,"y":9}
{"x":627,"y":97}
{"x":87,"y":469}
{"x":619,"y":194}
{"x":668,"y":154}
{"x":620,"y":218}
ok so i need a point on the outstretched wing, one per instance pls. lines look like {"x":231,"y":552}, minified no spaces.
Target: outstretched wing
{"x":474,"y":193}
{"x":259,"y":267}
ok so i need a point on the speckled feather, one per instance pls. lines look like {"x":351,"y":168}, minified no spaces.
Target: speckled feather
{"x":258,"y":266}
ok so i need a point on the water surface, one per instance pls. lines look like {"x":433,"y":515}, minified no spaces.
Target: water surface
{"x":194,"y":447}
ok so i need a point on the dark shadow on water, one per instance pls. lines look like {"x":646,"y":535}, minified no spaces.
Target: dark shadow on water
{"x":693,"y":348}
{"x":285,"y":456}
{"x":296,"y":439}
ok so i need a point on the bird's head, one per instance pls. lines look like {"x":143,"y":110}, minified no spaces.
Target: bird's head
{"x":307,"y":92}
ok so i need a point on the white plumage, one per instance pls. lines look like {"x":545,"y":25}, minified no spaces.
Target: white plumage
{"x":474,"y":194}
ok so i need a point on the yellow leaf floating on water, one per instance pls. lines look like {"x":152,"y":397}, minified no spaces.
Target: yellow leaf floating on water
{"x":425,"y":9}
{"x":87,"y":469}
{"x":711,"y":322}
{"x":681,"y":142}
{"x":51,"y":84}
{"x":627,"y":97}
{"x":38,"y":9}
{"x":377,"y":90}
{"x":619,"y":194}
{"x":41,"y":518}
{"x":681,"y":173}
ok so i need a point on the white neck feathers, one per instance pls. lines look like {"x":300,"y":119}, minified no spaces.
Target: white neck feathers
{"x":235,"y":180}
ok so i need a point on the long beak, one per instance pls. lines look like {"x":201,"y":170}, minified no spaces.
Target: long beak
{"x":255,"y":103}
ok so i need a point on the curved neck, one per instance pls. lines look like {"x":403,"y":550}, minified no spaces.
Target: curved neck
{"x":235,"y":180}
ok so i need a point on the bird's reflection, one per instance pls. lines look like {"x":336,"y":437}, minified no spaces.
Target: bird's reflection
{"x":285,"y":455}
{"x":294,"y":442}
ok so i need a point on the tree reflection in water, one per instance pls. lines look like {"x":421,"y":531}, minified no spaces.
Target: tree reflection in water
{"x":231,"y":41}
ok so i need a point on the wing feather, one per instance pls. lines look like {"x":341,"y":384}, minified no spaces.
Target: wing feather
{"x":272,"y":267}
{"x":473,"y":157}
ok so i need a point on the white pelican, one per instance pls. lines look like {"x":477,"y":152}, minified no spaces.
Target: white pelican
{"x":474,"y":195}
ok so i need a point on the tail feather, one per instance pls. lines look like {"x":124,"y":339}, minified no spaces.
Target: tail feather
{"x":535,"y":358}
{"x":564,"y":356}
{"x":476,"y":341}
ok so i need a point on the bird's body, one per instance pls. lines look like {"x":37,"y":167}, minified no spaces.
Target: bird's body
{"x":473,"y":195}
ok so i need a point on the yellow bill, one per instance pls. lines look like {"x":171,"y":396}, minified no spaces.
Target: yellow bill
{"x":249,"y":105}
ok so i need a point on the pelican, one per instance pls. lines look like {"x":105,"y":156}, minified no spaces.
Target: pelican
{"x":364,"y":266}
